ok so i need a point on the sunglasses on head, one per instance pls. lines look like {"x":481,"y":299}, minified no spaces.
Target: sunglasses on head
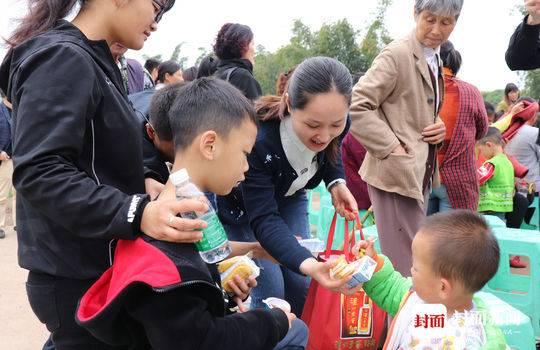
{"x":162,"y":6}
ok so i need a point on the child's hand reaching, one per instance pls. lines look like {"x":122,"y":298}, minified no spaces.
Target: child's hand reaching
{"x":366,"y":247}
{"x":241,"y":289}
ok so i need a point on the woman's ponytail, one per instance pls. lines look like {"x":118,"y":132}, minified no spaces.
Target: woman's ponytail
{"x":271,"y":107}
{"x":42,"y":16}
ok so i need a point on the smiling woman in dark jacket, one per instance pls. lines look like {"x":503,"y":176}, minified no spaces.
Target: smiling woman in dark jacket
{"x":80,"y":181}
{"x":297,"y":147}
{"x":235,"y":50}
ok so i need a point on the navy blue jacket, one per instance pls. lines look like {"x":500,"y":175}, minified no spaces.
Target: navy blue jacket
{"x":268,"y":179}
{"x":5,"y":129}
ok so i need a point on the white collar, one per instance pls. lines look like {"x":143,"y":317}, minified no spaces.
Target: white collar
{"x":302,"y":159}
{"x":430,"y":53}
{"x":287,"y":133}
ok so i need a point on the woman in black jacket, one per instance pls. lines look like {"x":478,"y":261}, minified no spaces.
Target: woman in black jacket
{"x":80,"y":180}
{"x":235,"y":50}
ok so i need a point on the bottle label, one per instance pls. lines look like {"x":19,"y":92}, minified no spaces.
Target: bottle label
{"x":214,"y":234}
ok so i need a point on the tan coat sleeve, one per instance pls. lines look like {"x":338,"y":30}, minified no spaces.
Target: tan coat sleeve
{"x":369,"y":124}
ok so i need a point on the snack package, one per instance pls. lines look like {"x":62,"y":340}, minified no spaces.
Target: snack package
{"x":361,"y":270}
{"x":364,"y":269}
{"x":239,"y":265}
{"x":342,"y":269}
{"x":277,"y":303}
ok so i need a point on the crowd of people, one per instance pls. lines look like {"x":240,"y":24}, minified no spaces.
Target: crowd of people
{"x":112,"y":263}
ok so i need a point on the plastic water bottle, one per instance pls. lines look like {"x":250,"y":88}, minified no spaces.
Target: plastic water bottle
{"x":214,"y":246}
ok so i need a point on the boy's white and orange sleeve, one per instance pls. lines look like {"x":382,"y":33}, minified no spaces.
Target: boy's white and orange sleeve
{"x":485,"y":172}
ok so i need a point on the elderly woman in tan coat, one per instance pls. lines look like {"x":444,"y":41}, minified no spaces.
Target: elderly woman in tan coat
{"x":394,"y":115}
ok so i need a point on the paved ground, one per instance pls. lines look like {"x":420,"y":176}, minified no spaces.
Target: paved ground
{"x":19,"y":328}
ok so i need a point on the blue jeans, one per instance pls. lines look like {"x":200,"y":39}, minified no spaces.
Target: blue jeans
{"x":438,"y":201}
{"x":296,"y":338}
{"x":276,"y":280}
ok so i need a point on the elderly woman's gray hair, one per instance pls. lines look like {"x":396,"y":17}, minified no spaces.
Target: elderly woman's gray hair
{"x":439,"y":7}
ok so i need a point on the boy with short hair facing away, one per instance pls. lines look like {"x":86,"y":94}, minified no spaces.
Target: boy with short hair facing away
{"x":454,"y":255}
{"x":161,"y":295}
{"x":496,"y":176}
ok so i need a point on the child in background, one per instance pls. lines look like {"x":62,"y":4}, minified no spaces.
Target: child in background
{"x":454,"y":255}
{"x":161,"y":295}
{"x":496,"y":176}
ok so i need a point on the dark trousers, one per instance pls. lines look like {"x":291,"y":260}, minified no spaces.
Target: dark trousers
{"x":530,"y":212}
{"x":515,"y":218}
{"x":54,"y":301}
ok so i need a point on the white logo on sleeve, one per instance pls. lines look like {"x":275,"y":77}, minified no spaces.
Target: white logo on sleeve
{"x":132,"y":208}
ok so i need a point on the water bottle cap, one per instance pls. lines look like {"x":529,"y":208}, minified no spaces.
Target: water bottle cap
{"x":179,"y":177}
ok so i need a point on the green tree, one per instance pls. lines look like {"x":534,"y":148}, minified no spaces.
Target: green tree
{"x":155,"y":57}
{"x":302,"y":35}
{"x":203,"y":52}
{"x":377,"y":36}
{"x":493,"y":97}
{"x":339,"y":40}
{"x":532,"y":84}
{"x":181,"y":60}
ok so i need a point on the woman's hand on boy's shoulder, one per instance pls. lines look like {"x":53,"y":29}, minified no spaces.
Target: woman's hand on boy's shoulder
{"x":160,"y":220}
{"x":153,"y":187}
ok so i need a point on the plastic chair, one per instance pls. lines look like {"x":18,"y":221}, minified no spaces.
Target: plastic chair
{"x":326,"y":214}
{"x":515,"y":325}
{"x":322,"y":193}
{"x":522,"y":291}
{"x":325,"y":219}
{"x":494,"y":221}
{"x":533,"y":224}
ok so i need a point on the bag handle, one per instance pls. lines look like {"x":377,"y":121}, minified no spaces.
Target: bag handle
{"x":330,"y":238}
{"x":349,"y":239}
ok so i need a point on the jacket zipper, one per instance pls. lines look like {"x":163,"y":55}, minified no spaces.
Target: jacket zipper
{"x":186,"y":284}
{"x":94,"y":152}
{"x":191,"y":283}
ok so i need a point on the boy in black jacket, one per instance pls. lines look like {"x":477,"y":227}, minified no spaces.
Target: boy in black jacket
{"x":160,"y":295}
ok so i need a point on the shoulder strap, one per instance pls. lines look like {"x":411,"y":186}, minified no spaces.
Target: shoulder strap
{"x":229,"y":73}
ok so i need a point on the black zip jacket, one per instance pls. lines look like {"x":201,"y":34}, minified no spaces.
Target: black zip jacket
{"x":76,"y":151}
{"x":523,"y":52}
{"x":160,"y":295}
{"x":240,"y":74}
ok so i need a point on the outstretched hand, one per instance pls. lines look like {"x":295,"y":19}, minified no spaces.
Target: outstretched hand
{"x":367,"y":246}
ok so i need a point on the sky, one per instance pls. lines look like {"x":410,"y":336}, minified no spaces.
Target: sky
{"x":481,"y":35}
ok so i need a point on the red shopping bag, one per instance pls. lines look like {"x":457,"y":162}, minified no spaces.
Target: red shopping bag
{"x":337,"y":321}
